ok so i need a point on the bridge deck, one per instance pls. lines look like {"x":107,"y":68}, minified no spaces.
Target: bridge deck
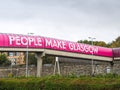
{"x":59,"y":53}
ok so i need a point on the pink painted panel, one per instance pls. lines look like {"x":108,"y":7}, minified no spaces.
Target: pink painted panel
{"x":21,"y":41}
{"x":14,"y":40}
{"x":56,"y":44}
{"x":1,"y":40}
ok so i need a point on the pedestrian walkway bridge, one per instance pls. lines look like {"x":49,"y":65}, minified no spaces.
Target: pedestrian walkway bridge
{"x":51,"y":46}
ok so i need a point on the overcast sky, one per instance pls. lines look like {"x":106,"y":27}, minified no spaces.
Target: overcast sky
{"x":71,"y":20}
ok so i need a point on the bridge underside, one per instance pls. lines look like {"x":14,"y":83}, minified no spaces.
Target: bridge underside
{"x":58,"y":53}
{"x":116,"y":58}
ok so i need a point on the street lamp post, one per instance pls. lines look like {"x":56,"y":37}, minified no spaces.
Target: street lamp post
{"x":27,"y":54}
{"x":92,"y":64}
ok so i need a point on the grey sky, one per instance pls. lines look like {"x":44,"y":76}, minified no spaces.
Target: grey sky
{"x":64,"y":19}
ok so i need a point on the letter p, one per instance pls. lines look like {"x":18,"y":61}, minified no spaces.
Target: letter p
{"x":11,"y":39}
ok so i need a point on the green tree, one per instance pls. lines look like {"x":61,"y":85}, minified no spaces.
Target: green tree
{"x":84,"y":41}
{"x":100,"y":43}
{"x":97,"y":43}
{"x":4,"y":60}
{"x":115,"y":43}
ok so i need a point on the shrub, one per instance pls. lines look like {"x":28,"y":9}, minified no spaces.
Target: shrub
{"x":58,"y":82}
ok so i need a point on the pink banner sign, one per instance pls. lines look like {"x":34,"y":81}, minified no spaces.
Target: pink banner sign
{"x":22,"y":41}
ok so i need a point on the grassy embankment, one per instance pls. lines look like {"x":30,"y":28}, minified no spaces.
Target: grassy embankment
{"x":99,"y":82}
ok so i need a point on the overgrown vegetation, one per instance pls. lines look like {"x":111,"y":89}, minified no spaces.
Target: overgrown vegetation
{"x":100,"y":82}
{"x":4,"y":60}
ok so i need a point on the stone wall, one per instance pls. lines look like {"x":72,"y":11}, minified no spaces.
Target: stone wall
{"x":77,"y":69}
{"x":116,"y":67}
{"x":66,"y":68}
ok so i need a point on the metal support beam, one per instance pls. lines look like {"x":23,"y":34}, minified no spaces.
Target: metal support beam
{"x":57,"y":66}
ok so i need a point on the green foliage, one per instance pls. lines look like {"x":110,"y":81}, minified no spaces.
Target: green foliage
{"x":97,"y":43}
{"x":10,"y":75}
{"x":32,"y":60}
{"x":48,"y":59}
{"x":113,"y":44}
{"x":4,"y":60}
{"x":84,"y":41}
{"x":57,"y":82}
{"x":100,"y":43}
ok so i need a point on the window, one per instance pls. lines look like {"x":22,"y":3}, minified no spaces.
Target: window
{"x":11,"y":53}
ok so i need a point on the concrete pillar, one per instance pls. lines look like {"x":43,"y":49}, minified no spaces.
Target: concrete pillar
{"x":39,"y":63}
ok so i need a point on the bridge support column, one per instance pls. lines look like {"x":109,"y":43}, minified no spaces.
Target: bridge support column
{"x":39,"y":63}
